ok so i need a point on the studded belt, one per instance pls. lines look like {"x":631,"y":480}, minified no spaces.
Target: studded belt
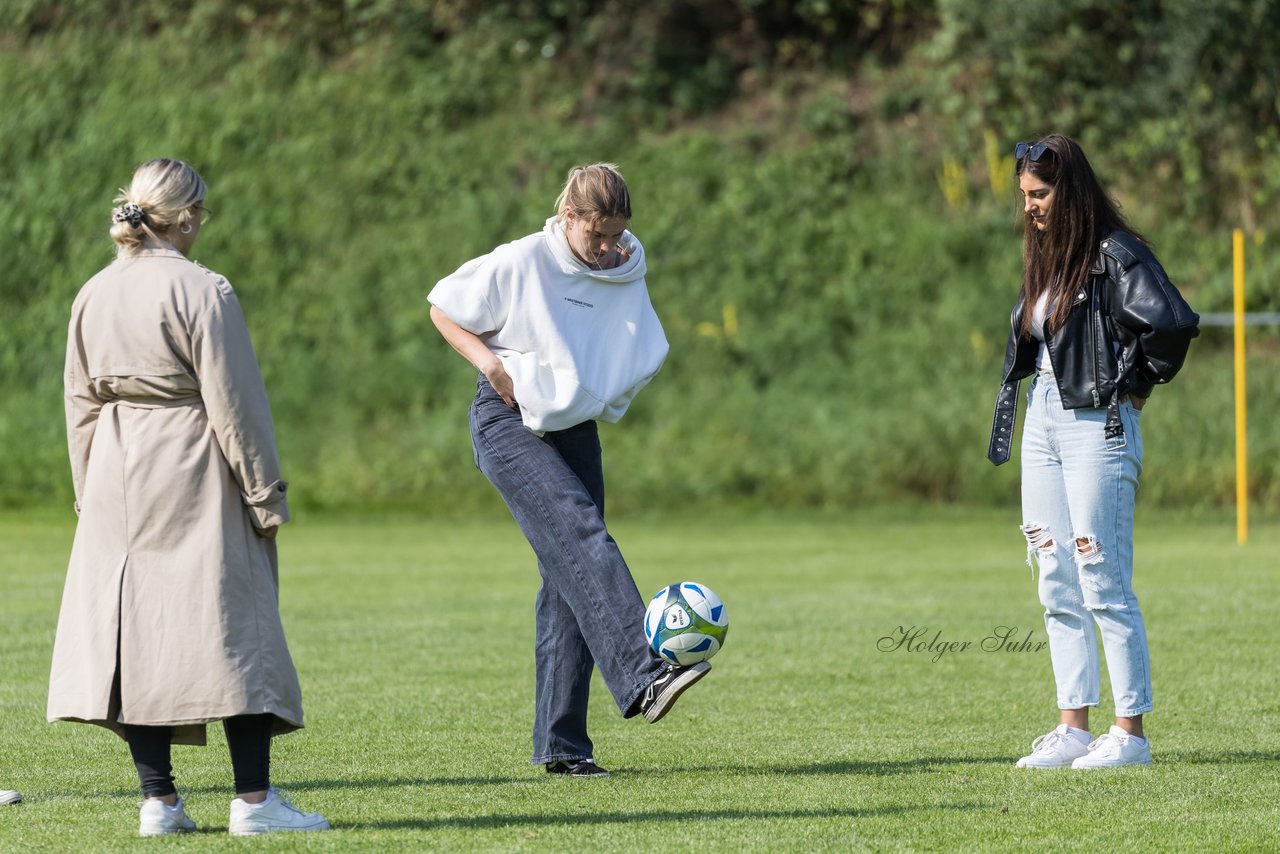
{"x":1002,"y":421}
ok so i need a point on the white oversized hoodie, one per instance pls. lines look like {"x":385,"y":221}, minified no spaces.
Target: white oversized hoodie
{"x":578,"y":343}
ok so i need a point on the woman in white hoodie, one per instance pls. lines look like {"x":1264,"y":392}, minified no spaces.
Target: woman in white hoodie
{"x":561,"y":328}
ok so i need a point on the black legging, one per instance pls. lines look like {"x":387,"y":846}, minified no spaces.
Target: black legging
{"x":248,"y":737}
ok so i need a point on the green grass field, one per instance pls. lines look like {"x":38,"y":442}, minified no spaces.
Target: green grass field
{"x":413,"y":640}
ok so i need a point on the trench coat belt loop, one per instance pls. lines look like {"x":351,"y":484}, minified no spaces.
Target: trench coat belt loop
{"x":157,"y":402}
{"x":1002,"y":422}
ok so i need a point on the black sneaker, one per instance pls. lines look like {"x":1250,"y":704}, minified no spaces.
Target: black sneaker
{"x":577,"y":768}
{"x":662,"y":692}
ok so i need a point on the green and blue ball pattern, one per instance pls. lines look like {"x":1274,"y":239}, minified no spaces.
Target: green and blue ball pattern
{"x":686,"y":623}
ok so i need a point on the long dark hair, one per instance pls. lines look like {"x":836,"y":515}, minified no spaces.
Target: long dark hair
{"x":1059,"y":258}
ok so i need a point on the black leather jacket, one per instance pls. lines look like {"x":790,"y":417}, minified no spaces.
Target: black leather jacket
{"x":1128,"y":330}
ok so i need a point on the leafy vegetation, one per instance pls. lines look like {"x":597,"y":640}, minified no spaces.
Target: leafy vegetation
{"x":824,"y":191}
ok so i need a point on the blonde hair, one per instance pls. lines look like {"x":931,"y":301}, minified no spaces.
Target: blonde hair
{"x":594,"y":192}
{"x":161,"y":196}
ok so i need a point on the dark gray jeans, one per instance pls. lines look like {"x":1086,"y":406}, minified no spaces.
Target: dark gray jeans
{"x":588,"y":608}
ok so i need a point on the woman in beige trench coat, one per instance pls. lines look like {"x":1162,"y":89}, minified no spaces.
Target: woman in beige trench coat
{"x":170,"y":614}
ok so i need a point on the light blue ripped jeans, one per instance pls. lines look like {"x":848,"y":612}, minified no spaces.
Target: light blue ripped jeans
{"x":1077,"y":504}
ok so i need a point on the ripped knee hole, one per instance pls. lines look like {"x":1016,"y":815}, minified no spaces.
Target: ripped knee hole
{"x":1038,"y":536}
{"x":1089,"y":550}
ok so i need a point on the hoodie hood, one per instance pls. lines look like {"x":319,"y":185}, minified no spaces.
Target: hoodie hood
{"x":631,"y":270}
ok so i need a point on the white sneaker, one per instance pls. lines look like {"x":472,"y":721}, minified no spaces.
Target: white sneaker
{"x":1055,"y":749}
{"x":273,"y":815}
{"x":156,"y":818}
{"x":1115,"y":749}
{"x":9,"y":796}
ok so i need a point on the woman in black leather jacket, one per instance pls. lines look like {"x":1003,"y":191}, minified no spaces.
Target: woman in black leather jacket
{"x":1097,"y":325}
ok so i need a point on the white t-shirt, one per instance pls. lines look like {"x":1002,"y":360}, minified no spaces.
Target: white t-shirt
{"x":578,"y":343}
{"x":1038,"y":318}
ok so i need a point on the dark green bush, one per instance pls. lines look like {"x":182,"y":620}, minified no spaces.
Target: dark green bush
{"x":831,"y":231}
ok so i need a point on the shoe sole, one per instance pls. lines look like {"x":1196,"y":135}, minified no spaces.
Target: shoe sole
{"x":324,"y":825}
{"x":566,"y":773}
{"x":668,"y":699}
{"x":1044,"y":767}
{"x":1022,"y":763}
{"x":1105,"y":767}
{"x":585,"y":774}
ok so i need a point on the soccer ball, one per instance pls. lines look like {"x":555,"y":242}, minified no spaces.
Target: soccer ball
{"x":686,"y":623}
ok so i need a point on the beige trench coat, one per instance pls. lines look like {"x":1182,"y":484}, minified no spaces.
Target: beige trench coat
{"x":170,"y":613}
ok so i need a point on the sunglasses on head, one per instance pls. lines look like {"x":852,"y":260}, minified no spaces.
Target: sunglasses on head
{"x":1033,"y":152}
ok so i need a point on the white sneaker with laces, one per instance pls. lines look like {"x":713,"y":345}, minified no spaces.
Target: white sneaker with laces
{"x":274,"y":815}
{"x":9,"y":796}
{"x":1055,"y":749}
{"x":1115,"y":749}
{"x":156,"y":818}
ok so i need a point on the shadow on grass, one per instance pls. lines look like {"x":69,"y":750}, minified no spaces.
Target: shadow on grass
{"x":534,"y":775}
{"x":649,"y":816}
{"x":864,"y":768}
{"x":920,"y":765}
{"x":870,"y":768}
{"x":850,"y":767}
{"x":500,"y":820}
{"x":1214,"y":757}
{"x":856,"y":767}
